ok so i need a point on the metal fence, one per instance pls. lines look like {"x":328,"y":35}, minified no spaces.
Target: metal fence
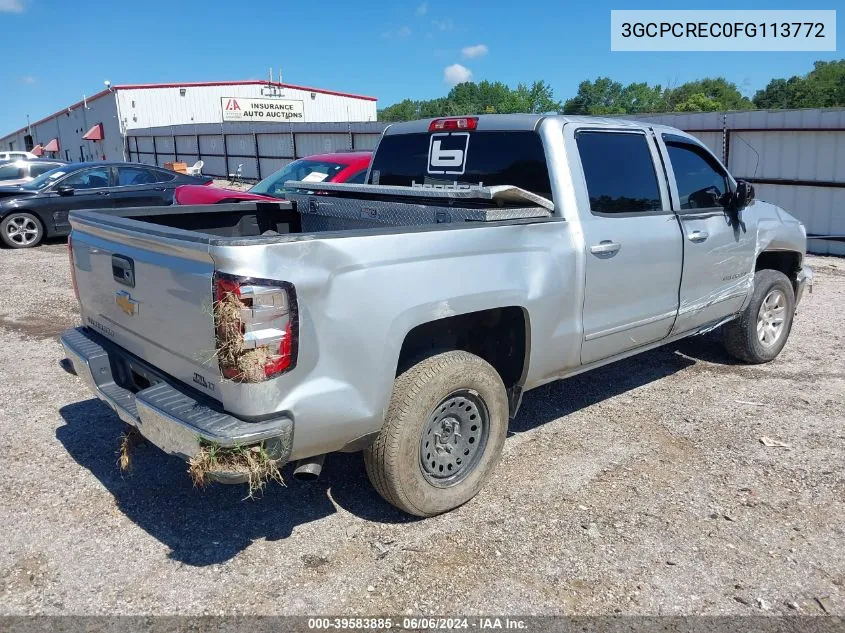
{"x":795,"y":158}
{"x":258,"y":149}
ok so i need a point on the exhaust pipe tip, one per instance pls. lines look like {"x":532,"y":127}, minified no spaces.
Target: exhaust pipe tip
{"x":309,"y":469}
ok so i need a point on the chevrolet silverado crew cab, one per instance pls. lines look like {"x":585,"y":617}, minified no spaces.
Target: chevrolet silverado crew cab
{"x":405,"y":317}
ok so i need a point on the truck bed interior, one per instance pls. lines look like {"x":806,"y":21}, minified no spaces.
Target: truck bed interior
{"x":308,"y":213}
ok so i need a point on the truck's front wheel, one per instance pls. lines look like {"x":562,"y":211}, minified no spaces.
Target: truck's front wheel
{"x":760,"y":332}
{"x":443,"y":434}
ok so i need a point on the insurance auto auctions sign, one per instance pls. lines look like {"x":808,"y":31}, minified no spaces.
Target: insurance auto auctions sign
{"x":239,"y":109}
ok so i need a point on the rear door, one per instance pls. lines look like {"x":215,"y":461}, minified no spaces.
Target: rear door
{"x":91,"y":190}
{"x":718,"y":247}
{"x":633,"y":241}
{"x":142,"y":187}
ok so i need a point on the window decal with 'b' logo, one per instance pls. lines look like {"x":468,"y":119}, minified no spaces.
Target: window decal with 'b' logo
{"x":447,"y":152}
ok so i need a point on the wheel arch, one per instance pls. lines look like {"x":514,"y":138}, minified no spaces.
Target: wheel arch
{"x":787,"y":262}
{"x":501,"y":336}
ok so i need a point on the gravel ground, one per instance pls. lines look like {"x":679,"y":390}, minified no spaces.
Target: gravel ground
{"x":641,"y":488}
{"x":228,"y":184}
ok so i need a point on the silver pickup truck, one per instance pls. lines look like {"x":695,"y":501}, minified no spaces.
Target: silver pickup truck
{"x":405,"y":317}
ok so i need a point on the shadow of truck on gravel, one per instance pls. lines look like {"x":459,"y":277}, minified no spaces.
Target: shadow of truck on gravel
{"x":211,"y":525}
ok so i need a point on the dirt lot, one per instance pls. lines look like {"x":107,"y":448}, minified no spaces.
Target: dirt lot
{"x":639,"y":488}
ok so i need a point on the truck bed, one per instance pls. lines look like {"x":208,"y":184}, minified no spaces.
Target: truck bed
{"x":333,"y":210}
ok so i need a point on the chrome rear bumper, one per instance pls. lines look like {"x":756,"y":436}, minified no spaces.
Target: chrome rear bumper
{"x":166,"y":415}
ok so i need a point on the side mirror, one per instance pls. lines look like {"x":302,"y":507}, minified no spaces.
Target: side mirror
{"x":64,"y":190}
{"x":744,"y":194}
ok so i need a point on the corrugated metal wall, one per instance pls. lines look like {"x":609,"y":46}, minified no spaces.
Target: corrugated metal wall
{"x":153,"y":107}
{"x":258,"y":148}
{"x":140,"y":107}
{"x":795,"y":158}
{"x":70,"y":125}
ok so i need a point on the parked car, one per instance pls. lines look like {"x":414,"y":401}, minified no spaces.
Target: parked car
{"x":39,"y":208}
{"x":406,"y":317}
{"x":334,"y":167}
{"x":17,"y":172}
{"x":15,"y":155}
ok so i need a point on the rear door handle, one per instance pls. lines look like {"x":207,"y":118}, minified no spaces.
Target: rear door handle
{"x":605,"y":247}
{"x":104,"y":193}
{"x":698,"y":236}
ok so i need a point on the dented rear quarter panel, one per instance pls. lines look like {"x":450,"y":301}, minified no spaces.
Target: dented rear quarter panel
{"x":359,"y":297}
{"x":359,"y":293}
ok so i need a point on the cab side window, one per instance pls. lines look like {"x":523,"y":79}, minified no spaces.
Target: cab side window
{"x":619,"y":171}
{"x":88,"y":179}
{"x":702,"y":183}
{"x":127,"y":176}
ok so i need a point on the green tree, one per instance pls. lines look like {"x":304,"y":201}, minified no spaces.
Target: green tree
{"x":822,"y":87}
{"x":406,"y":110}
{"x":602,"y":96}
{"x":491,"y":95}
{"x":640,"y":97}
{"x":477,"y":98}
{"x":716,"y":89}
{"x":537,"y":99}
{"x":698,"y":102}
{"x":777,"y":94}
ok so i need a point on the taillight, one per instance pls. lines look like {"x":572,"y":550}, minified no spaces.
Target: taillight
{"x":256,"y":326}
{"x":455,"y":123}
{"x":72,"y":267}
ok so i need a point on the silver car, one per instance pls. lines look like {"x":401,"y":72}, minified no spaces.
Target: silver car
{"x":16,"y":155}
{"x":17,"y":172}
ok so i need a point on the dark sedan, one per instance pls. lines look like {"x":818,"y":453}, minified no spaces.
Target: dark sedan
{"x":40,"y":207}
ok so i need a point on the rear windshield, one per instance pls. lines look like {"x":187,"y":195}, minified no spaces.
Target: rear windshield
{"x":465,"y":158}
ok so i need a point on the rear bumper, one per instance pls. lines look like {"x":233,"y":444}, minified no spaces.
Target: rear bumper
{"x":169,"y":417}
{"x":803,"y":280}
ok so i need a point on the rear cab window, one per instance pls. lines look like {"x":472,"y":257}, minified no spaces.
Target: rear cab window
{"x":485,"y":158}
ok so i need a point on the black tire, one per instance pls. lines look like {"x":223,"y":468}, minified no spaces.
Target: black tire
{"x":421,"y":394}
{"x":21,"y":230}
{"x":741,"y":338}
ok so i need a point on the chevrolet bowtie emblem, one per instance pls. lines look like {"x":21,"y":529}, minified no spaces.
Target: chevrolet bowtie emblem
{"x":126,"y":303}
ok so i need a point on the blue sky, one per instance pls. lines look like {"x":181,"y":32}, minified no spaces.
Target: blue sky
{"x":391,"y":50}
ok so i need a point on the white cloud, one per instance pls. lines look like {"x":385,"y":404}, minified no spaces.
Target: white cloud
{"x":422,"y":9}
{"x":456,"y":74}
{"x":11,"y":6}
{"x":29,"y":80}
{"x":469,"y":52}
{"x":400,"y":33}
{"x":443,"y":25}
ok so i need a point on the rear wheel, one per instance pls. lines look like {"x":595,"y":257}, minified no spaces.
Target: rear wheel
{"x":21,"y":230}
{"x":443,"y":435}
{"x":761,"y":331}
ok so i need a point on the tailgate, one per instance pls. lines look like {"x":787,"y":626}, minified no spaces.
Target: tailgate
{"x":150,"y":294}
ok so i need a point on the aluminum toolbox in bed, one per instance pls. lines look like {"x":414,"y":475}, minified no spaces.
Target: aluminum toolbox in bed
{"x":324,"y":205}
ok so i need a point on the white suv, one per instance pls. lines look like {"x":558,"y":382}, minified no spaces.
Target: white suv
{"x":16,"y":155}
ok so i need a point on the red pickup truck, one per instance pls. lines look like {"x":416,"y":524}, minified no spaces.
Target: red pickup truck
{"x":334,"y":167}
